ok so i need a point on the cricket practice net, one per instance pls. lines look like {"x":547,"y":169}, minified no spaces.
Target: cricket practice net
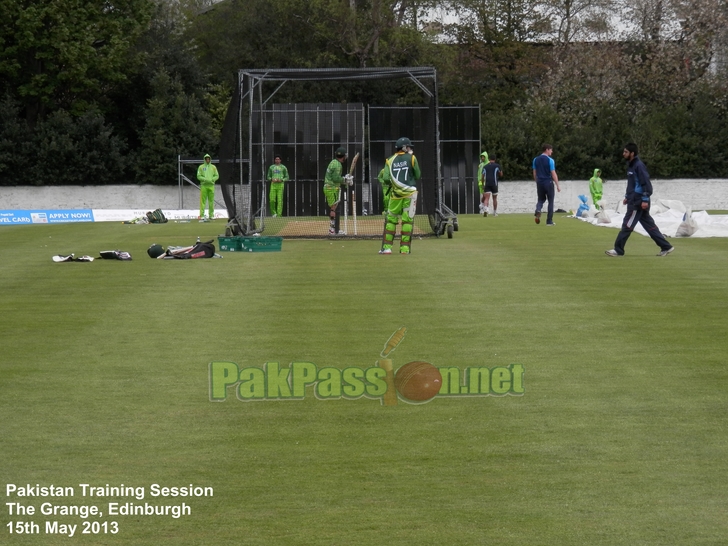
{"x":306,"y":136}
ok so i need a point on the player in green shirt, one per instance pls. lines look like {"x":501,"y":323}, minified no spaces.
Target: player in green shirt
{"x":333,"y":181}
{"x":277,"y":176}
{"x":481,"y":179}
{"x":402,"y":173}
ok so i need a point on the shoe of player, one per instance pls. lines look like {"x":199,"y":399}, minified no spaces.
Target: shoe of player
{"x":666,"y":252}
{"x":612,"y":253}
{"x":550,"y":223}
{"x":332,"y":231}
{"x":485,"y":212}
{"x":385,"y":251}
{"x":495,"y":214}
{"x":537,"y":217}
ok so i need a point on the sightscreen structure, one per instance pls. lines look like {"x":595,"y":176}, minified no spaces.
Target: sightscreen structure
{"x":306,"y":136}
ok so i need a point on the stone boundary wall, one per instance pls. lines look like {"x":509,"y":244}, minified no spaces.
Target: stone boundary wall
{"x":513,"y":197}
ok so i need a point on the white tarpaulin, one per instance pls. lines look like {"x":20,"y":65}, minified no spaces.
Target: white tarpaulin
{"x":673,"y":219}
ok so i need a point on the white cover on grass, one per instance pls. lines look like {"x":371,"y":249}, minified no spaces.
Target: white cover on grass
{"x":669,"y":215}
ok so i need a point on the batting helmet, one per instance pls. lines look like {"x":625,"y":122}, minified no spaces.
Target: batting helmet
{"x":340,"y":152}
{"x":402,"y":143}
{"x":155,"y":251}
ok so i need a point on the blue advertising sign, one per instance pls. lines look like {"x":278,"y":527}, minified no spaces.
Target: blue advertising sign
{"x":15,"y":217}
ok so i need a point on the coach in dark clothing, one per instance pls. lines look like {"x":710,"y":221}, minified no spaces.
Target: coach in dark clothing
{"x":637,"y":199}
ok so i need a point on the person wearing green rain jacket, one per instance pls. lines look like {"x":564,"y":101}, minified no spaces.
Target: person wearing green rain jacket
{"x":207,"y":175}
{"x":595,"y":187}
{"x":277,"y":177}
{"x":481,"y":178}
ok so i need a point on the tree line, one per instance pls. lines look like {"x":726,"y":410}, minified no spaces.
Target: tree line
{"x":113,"y":92}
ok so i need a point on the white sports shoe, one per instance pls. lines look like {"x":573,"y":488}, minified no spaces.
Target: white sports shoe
{"x":666,"y":252}
{"x":385,"y":251}
{"x":612,"y":253}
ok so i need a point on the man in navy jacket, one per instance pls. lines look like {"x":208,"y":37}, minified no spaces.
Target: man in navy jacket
{"x":637,"y":199}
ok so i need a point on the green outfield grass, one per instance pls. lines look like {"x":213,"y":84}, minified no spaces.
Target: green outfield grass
{"x":621,"y":436}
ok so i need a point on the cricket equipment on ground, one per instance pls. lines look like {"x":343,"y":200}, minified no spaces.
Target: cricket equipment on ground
{"x":156,"y":217}
{"x":614,"y":253}
{"x":70,"y":258}
{"x":666,"y":252}
{"x":155,"y":251}
{"x":115,"y":255}
{"x":204,"y":249}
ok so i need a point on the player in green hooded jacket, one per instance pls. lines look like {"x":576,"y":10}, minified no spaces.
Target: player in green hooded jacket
{"x":595,"y":187}
{"x":402,"y":173}
{"x":333,"y":181}
{"x":277,"y":177}
{"x":481,"y":178}
{"x":207,"y":175}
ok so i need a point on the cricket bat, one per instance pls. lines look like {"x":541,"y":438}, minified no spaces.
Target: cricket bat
{"x":352,"y":167}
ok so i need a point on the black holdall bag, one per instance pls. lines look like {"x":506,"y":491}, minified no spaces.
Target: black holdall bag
{"x":200,"y":250}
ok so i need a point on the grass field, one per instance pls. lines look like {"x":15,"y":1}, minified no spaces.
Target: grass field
{"x":621,"y":436}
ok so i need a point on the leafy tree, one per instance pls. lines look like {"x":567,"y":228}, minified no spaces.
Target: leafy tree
{"x":64,"y":54}
{"x":177,"y":124}
{"x":75,"y":151}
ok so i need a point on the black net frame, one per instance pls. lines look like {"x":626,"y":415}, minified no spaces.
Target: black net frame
{"x":249,"y":141}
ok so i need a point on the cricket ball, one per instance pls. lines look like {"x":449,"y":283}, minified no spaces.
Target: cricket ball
{"x":418,"y":381}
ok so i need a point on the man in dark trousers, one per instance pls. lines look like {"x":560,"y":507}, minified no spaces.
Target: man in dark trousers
{"x":637,"y":199}
{"x":544,"y":174}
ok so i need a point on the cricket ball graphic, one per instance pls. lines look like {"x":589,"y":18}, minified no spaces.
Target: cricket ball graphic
{"x":418,"y":381}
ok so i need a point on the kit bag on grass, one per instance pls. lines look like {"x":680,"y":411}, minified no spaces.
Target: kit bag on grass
{"x":156,"y":217}
{"x":200,"y":250}
{"x":115,"y":255}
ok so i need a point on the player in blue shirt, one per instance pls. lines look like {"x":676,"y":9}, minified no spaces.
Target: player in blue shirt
{"x":544,"y":174}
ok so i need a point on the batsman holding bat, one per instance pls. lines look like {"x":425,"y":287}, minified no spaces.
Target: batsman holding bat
{"x":402,"y":172}
{"x":333,"y":181}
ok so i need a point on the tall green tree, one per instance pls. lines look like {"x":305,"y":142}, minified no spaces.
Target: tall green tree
{"x":64,"y":54}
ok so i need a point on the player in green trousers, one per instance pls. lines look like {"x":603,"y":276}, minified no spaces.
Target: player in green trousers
{"x":596,"y":187}
{"x":402,"y":173}
{"x":207,"y":175}
{"x":333,"y":182}
{"x":277,"y":177}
